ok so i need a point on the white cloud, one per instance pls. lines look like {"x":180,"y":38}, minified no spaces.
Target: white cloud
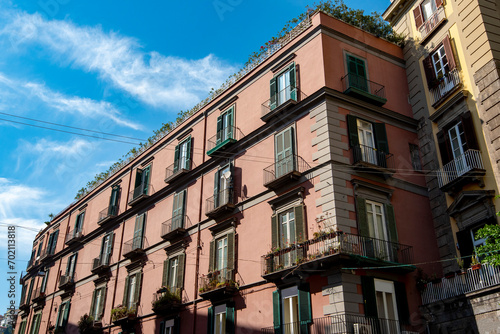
{"x":149,"y":76}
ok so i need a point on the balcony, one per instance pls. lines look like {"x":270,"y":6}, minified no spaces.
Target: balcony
{"x":140,"y":193}
{"x":31,"y":264}
{"x":366,"y":157}
{"x":366,"y":90}
{"x":220,"y":204}
{"x":101,"y":264}
{"x":330,"y":247}
{"x":24,"y":305}
{"x":107,"y":214}
{"x":282,"y":172}
{"x":218,"y":284}
{"x":38,"y":296}
{"x":175,"y":227}
{"x":470,"y":281}
{"x":46,"y":254}
{"x":67,"y":282}
{"x":285,"y":100}
{"x":166,"y":302}
{"x":135,"y":247}
{"x":344,"y":324}
{"x":174,"y":171}
{"x":444,"y":87}
{"x":432,"y":23}
{"x":460,"y":170}
{"x":74,"y":236}
{"x":223,"y":139}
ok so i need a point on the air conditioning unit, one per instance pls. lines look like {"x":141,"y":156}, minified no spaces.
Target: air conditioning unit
{"x":362,"y":329}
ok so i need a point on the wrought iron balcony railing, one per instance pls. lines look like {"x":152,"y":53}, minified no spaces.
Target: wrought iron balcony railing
{"x":343,"y":323}
{"x":362,"y":154}
{"x":332,"y":243}
{"x":432,"y":22}
{"x":220,"y":203}
{"x":46,"y":253}
{"x":101,"y":263}
{"x":73,"y":236}
{"x":135,"y":247}
{"x":363,"y":89}
{"x":139,"y":193}
{"x":107,"y":213}
{"x":470,"y":281}
{"x":175,"y":226}
{"x":225,"y":137}
{"x":282,"y":171}
{"x":470,"y":161}
{"x":175,"y":170}
{"x":223,"y":279}
{"x":446,"y":85}
{"x":67,"y":281}
{"x":282,"y":100}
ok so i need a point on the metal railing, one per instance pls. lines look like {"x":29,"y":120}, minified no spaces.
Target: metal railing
{"x":109,"y":212}
{"x":66,"y":280}
{"x":73,"y":235}
{"x":223,"y":197}
{"x":167,"y":300}
{"x":437,"y":17}
{"x":229,"y":134}
{"x":178,"y":168}
{"x":355,"y":81}
{"x":38,"y":294}
{"x":342,"y":324}
{"x":174,"y":223}
{"x":446,"y":84}
{"x":46,"y":253}
{"x":336,"y":243}
{"x":144,"y":190}
{"x":137,"y":244}
{"x":283,"y":167}
{"x":216,"y":280}
{"x":471,"y":280}
{"x":471,"y":159}
{"x":288,"y":94}
{"x":371,"y":155}
{"x":101,"y":261}
{"x":31,"y":263}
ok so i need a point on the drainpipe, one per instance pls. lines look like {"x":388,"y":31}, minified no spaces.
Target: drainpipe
{"x":198,"y":241}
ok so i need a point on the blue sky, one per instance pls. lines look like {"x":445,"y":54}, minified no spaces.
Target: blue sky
{"x":120,"y":67}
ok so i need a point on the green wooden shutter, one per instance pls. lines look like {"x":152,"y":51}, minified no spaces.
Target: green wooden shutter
{"x":402,"y":303}
{"x":300,"y":224}
{"x":109,"y":251}
{"x":357,"y":73}
{"x":219,"y":130}
{"x":126,"y":290}
{"x":100,"y":310}
{"x":178,"y":210}
{"x":113,"y":201}
{"x":180,"y":271}
{"x":274,"y":232}
{"x":274,"y":93}
{"x":147,"y":172}
{"x":277,"y":311}
{"x":162,"y":327}
{"x":211,"y":320}
{"x":92,"y":303}
{"x":138,"y":282}
{"x":166,"y":266}
{"x":138,"y":231}
{"x":74,"y":265}
{"x":59,"y":315}
{"x":230,"y":123}
{"x":305,"y":313}
{"x":187,"y":163}
{"x":363,"y":229}
{"x":44,"y":281}
{"x":211,"y":257}
{"x":381,"y":137}
{"x":293,"y":84}
{"x":230,"y":320}
{"x":177,"y":154}
{"x":352,"y":127}
{"x":230,"y":251}
{"x":102,"y":254}
{"x":54,"y":241}
{"x":216,"y":189}
{"x":23,"y":327}
{"x":66,"y":314}
{"x":391,"y":223}
{"x":369,"y":298}
{"x":28,"y":301}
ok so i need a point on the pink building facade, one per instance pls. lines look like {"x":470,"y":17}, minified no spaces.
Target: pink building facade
{"x":291,"y":203}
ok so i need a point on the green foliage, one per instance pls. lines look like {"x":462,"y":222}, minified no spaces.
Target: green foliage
{"x":491,"y":249}
{"x":120,"y":312}
{"x":86,"y":325}
{"x":167,"y":298}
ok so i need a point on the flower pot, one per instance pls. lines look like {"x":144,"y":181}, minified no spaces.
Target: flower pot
{"x":476,"y":266}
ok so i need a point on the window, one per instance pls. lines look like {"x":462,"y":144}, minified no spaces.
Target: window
{"x":438,"y":65}
{"x":51,"y":246}
{"x":173,"y":272}
{"x":132,"y":290}
{"x":140,"y":223}
{"x":35,"y":327}
{"x":467,"y":243}
{"x":221,"y":262}
{"x":385,"y":300}
{"x":284,"y":147}
{"x":425,"y":10}
{"x":70,"y":267}
{"x":368,"y":141}
{"x":22,"y":328}
{"x":356,"y":70}
{"x":97,"y":304}
{"x":40,"y":246}
{"x":113,"y":200}
{"x":178,"y":210}
{"x":221,"y":319}
{"x":415,"y":157}
{"x":142,"y":181}
{"x":30,"y":291}
{"x":182,"y":155}
{"x":62,"y":315}
{"x":283,"y":87}
{"x":287,"y":228}
{"x":225,"y":129}
{"x":377,"y":223}
{"x":78,"y":224}
{"x":43,"y":286}
{"x":23,"y":295}
{"x":106,"y":249}
{"x":169,"y":326}
{"x":292,"y":310}
{"x":223,"y":186}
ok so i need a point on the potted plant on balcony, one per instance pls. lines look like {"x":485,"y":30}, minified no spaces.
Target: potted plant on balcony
{"x":475,"y":264}
{"x":86,"y":325}
{"x":168,"y":301}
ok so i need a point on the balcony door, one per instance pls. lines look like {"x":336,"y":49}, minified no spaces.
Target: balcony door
{"x":386,"y":306}
{"x":367,"y":141}
{"x":377,"y":226}
{"x":137,"y":242}
{"x":284,"y":152}
{"x":222,"y":187}
{"x":458,"y":147}
{"x":287,"y":233}
{"x":221,"y":256}
{"x":225,"y":126}
{"x":106,"y":247}
{"x":357,"y":73}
